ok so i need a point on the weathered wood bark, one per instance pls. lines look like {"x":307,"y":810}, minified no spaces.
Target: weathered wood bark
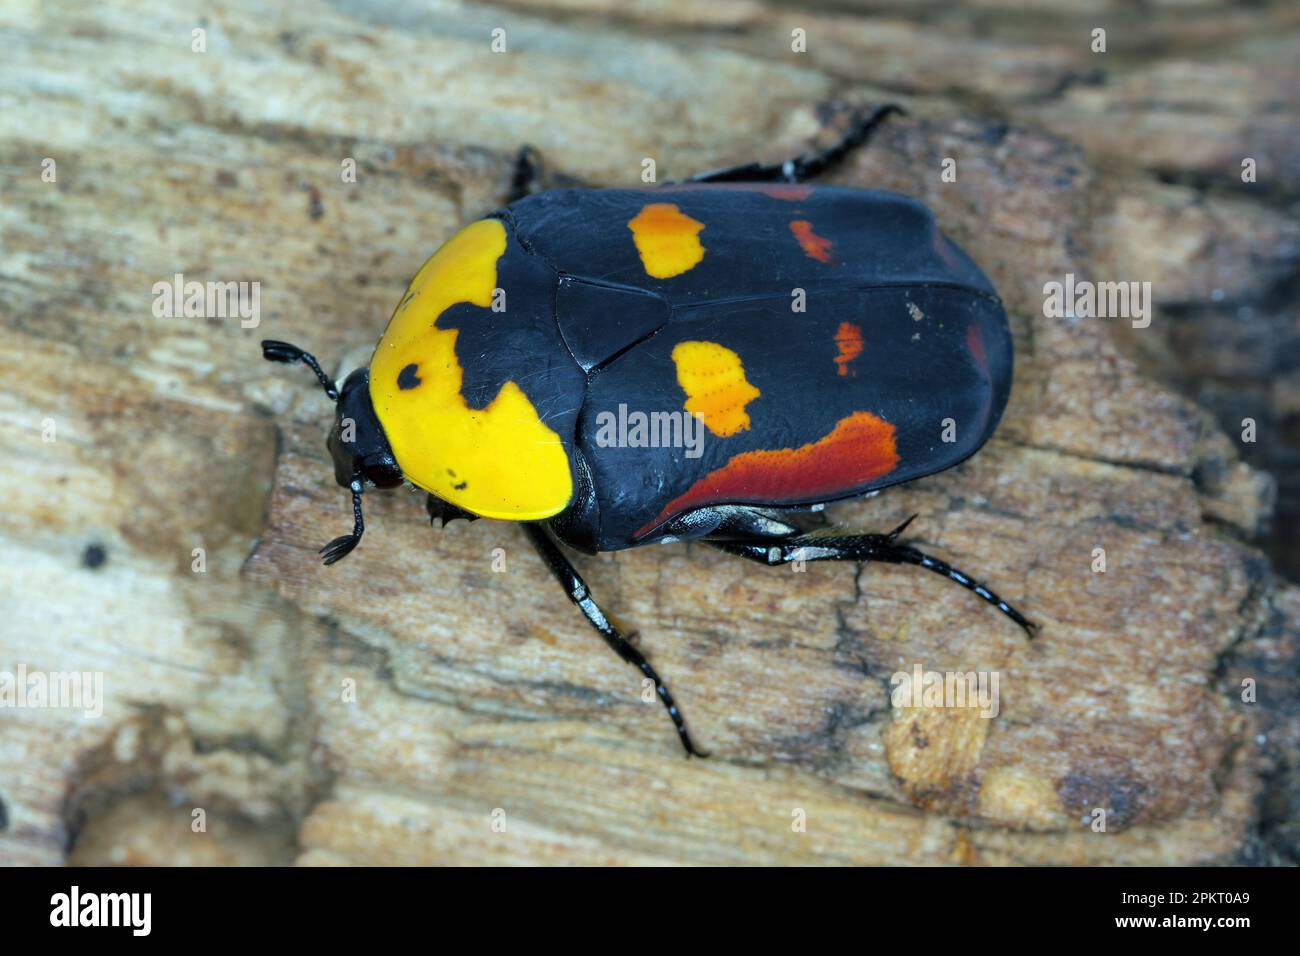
{"x":480,"y":696}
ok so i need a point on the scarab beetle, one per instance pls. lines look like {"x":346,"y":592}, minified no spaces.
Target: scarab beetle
{"x":550,"y":365}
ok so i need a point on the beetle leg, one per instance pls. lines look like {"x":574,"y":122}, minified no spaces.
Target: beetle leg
{"x":799,"y":169}
{"x":444,"y":511}
{"x":578,"y":593}
{"x":831,"y":546}
{"x":526,"y":174}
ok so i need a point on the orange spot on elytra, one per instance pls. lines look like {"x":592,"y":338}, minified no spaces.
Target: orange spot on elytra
{"x":713,"y":379}
{"x":858,"y":450}
{"x":814,"y":246}
{"x":848,"y":339}
{"x":666,"y":239}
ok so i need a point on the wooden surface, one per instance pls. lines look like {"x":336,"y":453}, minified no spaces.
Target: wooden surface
{"x":480,"y":696}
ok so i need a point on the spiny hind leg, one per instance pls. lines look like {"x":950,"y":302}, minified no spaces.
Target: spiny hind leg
{"x":837,"y":545}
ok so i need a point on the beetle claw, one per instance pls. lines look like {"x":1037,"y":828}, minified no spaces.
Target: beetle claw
{"x":893,"y":535}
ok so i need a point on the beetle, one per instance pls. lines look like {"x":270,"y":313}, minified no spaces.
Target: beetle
{"x":548,"y":364}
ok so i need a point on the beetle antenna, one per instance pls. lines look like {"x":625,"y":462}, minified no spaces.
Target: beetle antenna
{"x":342,"y":546}
{"x":276,"y":351}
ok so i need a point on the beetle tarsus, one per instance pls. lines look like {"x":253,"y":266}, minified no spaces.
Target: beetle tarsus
{"x":799,"y":169}
{"x":579,"y":594}
{"x":904,"y":554}
{"x":803,"y":168}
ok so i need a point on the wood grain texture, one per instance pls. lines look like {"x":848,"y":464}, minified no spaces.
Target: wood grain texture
{"x":481,"y":698}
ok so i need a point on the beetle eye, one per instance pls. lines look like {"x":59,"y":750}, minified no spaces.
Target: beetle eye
{"x":383,"y":475}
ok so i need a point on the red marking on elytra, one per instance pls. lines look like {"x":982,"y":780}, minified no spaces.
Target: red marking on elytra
{"x":943,"y":249}
{"x":848,"y":339}
{"x":858,"y":450}
{"x":975,"y":343}
{"x":787,"y":191}
{"x":790,"y":192}
{"x":814,"y":246}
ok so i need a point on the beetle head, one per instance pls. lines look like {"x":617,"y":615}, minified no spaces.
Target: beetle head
{"x":357,"y":442}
